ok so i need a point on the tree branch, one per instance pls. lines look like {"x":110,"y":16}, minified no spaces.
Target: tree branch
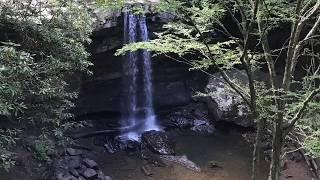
{"x":312,"y":11}
{"x":233,"y":85}
{"x":241,"y":28}
{"x":243,"y":14}
{"x":314,"y":28}
{"x":222,"y":72}
{"x":301,"y":110}
{"x":300,"y":45}
{"x":267,"y":54}
{"x":294,"y":37}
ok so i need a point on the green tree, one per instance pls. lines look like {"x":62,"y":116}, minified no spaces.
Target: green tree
{"x":42,"y":54}
{"x":43,"y":46}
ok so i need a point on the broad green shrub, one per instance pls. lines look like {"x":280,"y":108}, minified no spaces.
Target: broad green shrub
{"x":42,"y":55}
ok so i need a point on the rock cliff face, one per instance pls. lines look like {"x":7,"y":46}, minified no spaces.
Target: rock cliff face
{"x":173,"y":83}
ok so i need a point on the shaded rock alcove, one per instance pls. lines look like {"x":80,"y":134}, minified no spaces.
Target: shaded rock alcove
{"x":103,"y":92}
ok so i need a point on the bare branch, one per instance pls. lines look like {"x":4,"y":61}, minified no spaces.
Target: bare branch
{"x":267,"y":54}
{"x":314,"y":27}
{"x":226,"y":30}
{"x":243,"y":14}
{"x":312,"y":11}
{"x":294,"y":38}
{"x":306,"y":6}
{"x":241,"y":28}
{"x":300,"y":44}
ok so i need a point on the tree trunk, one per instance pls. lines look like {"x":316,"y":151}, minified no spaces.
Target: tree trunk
{"x":277,"y":144}
{"x":257,"y":152}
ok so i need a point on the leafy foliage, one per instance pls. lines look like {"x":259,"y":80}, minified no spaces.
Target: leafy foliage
{"x":48,"y":47}
{"x":42,"y":55}
{"x":16,"y":69}
{"x":194,"y":25}
{"x":44,"y":148}
{"x":7,"y":139}
{"x":111,"y":4}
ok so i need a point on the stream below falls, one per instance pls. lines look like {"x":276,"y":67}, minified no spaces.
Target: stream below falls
{"x":231,"y":153}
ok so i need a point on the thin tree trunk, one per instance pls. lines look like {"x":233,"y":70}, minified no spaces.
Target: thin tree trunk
{"x":277,"y":144}
{"x":257,"y":152}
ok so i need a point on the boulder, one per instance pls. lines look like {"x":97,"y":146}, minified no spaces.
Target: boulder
{"x":78,"y":167}
{"x":90,"y":174}
{"x":178,"y":120}
{"x":73,"y":152}
{"x":74,"y":163}
{"x":200,"y":113}
{"x":203,"y":127}
{"x":183,"y":161}
{"x":186,"y":116}
{"x":114,"y":145}
{"x":150,"y":157}
{"x":74,"y":173}
{"x":90,"y":163}
{"x":224,"y":103}
{"x":157,"y":141}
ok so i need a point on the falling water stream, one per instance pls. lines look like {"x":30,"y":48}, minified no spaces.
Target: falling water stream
{"x":138,"y":110}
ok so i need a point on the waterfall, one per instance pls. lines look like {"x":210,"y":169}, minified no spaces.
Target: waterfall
{"x":150,"y":122}
{"x":132,"y":71}
{"x":138,"y":106}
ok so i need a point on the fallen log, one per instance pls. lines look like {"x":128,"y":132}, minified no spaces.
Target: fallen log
{"x":107,"y":131}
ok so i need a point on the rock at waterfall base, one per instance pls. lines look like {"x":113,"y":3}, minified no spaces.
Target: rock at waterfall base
{"x":158,"y":141}
{"x":183,"y":161}
{"x":203,"y":127}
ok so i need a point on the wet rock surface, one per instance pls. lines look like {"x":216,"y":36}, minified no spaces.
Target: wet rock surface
{"x":157,"y":141}
{"x":114,"y":145}
{"x":74,"y":166}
